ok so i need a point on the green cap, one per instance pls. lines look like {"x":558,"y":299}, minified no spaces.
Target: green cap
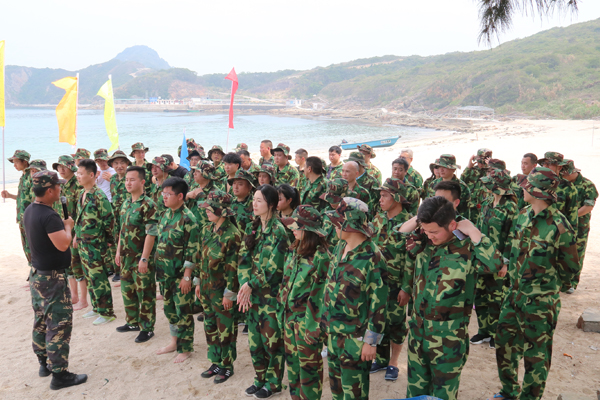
{"x":81,"y":154}
{"x":541,"y":183}
{"x":358,"y":158}
{"x":569,"y":168}
{"x":305,"y":218}
{"x":268,"y":169}
{"x":65,"y":161}
{"x":118,"y":154}
{"x":336,"y":191}
{"x":207,"y":170}
{"x":498,"y":181}
{"x":352,"y":216}
{"x":245,"y":175}
{"x":191,"y":146}
{"x":448,"y":161}
{"x":552,"y":157}
{"x":21,"y":155}
{"x":138,"y":146}
{"x":367,"y":149}
{"x":215,"y":148}
{"x":101,"y":154}
{"x":284,"y":148}
{"x":434,"y":165}
{"x":160,"y":162}
{"x":219,"y":203}
{"x":241,"y":146}
{"x":37,"y":164}
{"x":46,"y":178}
{"x":495,"y":163}
{"x":482,"y":154}
{"x":396,"y":188}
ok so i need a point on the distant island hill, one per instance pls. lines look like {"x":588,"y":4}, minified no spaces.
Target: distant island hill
{"x":554,"y":73}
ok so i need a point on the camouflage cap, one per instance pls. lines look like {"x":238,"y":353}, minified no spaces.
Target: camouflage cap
{"x":21,"y":155}
{"x":358,"y":158}
{"x":552,"y":157}
{"x":207,"y":170}
{"x":268,"y":169}
{"x":367,"y":149}
{"x":352,"y":216}
{"x":434,"y":165}
{"x":495,"y":163}
{"x":284,"y":148}
{"x":498,"y":181}
{"x":191,"y":146}
{"x":101,"y":154}
{"x":245,"y":175}
{"x":219,"y":203}
{"x":81,"y":154}
{"x":336,"y":191}
{"x":305,"y":218}
{"x":396,"y":188}
{"x":194,"y":153}
{"x":160,"y":162}
{"x":40,"y":165}
{"x":482,"y":154}
{"x":569,"y":168}
{"x":215,"y":148}
{"x":448,"y":161}
{"x":46,"y":178}
{"x":118,"y":154}
{"x":138,"y":146}
{"x":541,"y":183}
{"x":65,"y":161}
{"x":241,"y":146}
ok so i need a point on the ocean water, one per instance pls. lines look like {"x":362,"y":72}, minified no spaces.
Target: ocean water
{"x":36,"y":131}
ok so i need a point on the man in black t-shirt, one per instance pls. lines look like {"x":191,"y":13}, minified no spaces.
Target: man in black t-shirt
{"x":174,"y":169}
{"x":49,"y":238}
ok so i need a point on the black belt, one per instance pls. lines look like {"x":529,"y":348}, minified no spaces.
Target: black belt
{"x":47,"y":273}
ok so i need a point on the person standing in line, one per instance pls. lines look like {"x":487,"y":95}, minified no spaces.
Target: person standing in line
{"x":334,"y":170}
{"x":119,"y":162}
{"x":105,"y":172}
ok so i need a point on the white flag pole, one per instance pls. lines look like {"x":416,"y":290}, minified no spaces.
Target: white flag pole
{"x":76,"y":111}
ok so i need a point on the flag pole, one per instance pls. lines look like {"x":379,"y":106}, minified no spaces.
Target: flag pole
{"x":112,"y":92}
{"x":3,"y":166}
{"x":76,"y":111}
{"x":228,"y":128}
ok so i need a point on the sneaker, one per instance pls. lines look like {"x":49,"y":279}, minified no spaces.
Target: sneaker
{"x":492,"y":344}
{"x":44,"y":371}
{"x":375,"y":367}
{"x":109,"y":274}
{"x":116,"y":278}
{"x":128,"y":328}
{"x":200,"y":317}
{"x":391,"y":373}
{"x":224,"y":374}
{"x":144,"y":337}
{"x":245,"y":330}
{"x":251,"y":390}
{"x":265,"y":393}
{"x":66,"y":379}
{"x":479,"y":338}
{"x":90,"y":314}
{"x":324,"y":353}
{"x":212,"y":371}
{"x":570,"y":291}
{"x":101,"y":320}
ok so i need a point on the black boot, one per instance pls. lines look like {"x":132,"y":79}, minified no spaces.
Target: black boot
{"x":44,"y":371}
{"x":65,"y":379}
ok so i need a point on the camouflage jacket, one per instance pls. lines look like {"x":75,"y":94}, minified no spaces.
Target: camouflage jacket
{"x":287,"y":174}
{"x":301,"y":291}
{"x":567,"y":202}
{"x":219,"y":253}
{"x":189,"y":179}
{"x":425,"y":190}
{"x":94,"y":222}
{"x":311,"y":193}
{"x":148,"y":167}
{"x":177,"y":243}
{"x":71,"y":191}
{"x":465,"y":195}
{"x":359,"y":192}
{"x":374,"y":173}
{"x":24,"y":194}
{"x":393,"y":247}
{"x":543,"y":255}
{"x":586,"y":196}
{"x":138,"y":219}
{"x":269,"y":160}
{"x":472,"y":178}
{"x":244,"y":214}
{"x":334,"y":172}
{"x":303,"y":181}
{"x":412,"y":196}
{"x":262,"y":267}
{"x":118,"y":193}
{"x":254,"y":169}
{"x":220,"y":172}
{"x":496,"y":223}
{"x":414,"y":178}
{"x":155,"y":194}
{"x":518,"y":192}
{"x":355,"y":296}
{"x":442,"y":279}
{"x":200,"y":212}
{"x":369,"y":184}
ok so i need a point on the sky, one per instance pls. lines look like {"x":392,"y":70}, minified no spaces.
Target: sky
{"x":252,"y":36}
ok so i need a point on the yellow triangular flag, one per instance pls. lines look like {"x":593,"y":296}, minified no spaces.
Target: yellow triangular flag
{"x":2,"y":118}
{"x":66,"y":112}
{"x":110,"y":119}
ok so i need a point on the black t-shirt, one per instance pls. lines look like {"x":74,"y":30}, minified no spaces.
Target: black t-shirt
{"x":180,"y":172}
{"x":40,"y":221}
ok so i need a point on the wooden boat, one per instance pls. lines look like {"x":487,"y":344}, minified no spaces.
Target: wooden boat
{"x":373,"y":143}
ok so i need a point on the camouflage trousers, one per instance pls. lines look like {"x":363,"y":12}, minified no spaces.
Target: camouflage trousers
{"x":348,"y":375}
{"x":395,"y":328}
{"x":304,"y":361}
{"x":178,"y":310}
{"x":139,"y":294}
{"x":437,"y":353}
{"x":221,"y":330}
{"x":92,"y":258}
{"x":582,"y":239}
{"x":24,"y":242}
{"x":266,"y":346}
{"x":75,"y":270}
{"x":53,"y":320}
{"x":109,"y":260}
{"x":489,"y":295}
{"x":525,"y":330}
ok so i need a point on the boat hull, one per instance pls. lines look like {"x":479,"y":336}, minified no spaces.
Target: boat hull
{"x":373,"y":143}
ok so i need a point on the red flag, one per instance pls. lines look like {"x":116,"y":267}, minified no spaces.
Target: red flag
{"x":234,"y":86}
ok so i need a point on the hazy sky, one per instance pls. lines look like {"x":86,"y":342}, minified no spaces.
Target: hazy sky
{"x":252,"y":35}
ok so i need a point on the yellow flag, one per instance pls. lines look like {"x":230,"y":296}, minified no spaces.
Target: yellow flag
{"x":66,"y":112}
{"x":2,"y":118}
{"x":110,"y":119}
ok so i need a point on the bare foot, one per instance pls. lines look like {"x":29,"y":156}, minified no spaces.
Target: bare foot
{"x":158,"y":296}
{"x":167,"y":349}
{"x":74,"y":300}
{"x":181,"y":357}
{"x":80,"y":306}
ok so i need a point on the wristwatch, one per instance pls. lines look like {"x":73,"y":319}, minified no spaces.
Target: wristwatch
{"x":144,"y":260}
{"x":187,"y":278}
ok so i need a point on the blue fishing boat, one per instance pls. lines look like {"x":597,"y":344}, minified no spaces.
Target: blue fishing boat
{"x":373,"y":143}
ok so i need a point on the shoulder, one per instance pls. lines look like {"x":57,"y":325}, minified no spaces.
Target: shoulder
{"x":560,"y":221}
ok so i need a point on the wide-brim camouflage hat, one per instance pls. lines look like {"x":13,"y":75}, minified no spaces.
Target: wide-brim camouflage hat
{"x":207,"y":170}
{"x":81,"y":154}
{"x":215,"y":148}
{"x":351,"y":215}
{"x":268,"y":169}
{"x":495,"y":163}
{"x":358,"y":158}
{"x":101,"y":154}
{"x":337,"y":189}
{"x":138,"y":146}
{"x":305,"y":218}
{"x":245,"y":175}
{"x":65,"y":161}
{"x":118,"y":154}
{"x":192,"y":154}
{"x":396,"y":188}
{"x":498,"y":181}
{"x":541,"y":183}
{"x":284,"y":148}
{"x":241,"y":146}
{"x":434,"y":165}
{"x":482,"y":154}
{"x":569,"y":168}
{"x":160,"y":162}
{"x":20,"y":155}
{"x":219,"y":203}
{"x":46,"y":178}
{"x":40,"y":165}
{"x":448,"y":161}
{"x":367,"y":149}
{"x":552,"y":157}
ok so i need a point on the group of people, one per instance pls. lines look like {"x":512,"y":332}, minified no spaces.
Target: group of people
{"x":320,"y":260}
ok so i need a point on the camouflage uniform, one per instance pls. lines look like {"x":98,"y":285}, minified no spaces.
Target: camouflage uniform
{"x":207,"y":171}
{"x":155,"y":192}
{"x":138,"y":219}
{"x":288,"y":174}
{"x":371,"y":169}
{"x":177,"y":250}
{"x":449,"y":161}
{"x":354,"y":304}
{"x":425,"y":189}
{"x":262,"y":269}
{"x":244,"y":213}
{"x":442,"y":282}
{"x":334,"y":172}
{"x":366,"y":181}
{"x":544,"y":258}
{"x":24,"y":198}
{"x":566,"y":192}
{"x":414,"y":178}
{"x":471,"y":176}
{"x":219,"y":279}
{"x":518,"y":190}
{"x":337,"y":189}
{"x":269,"y":170}
{"x":359,"y":193}
{"x":270,"y":160}
{"x":117,"y":189}
{"x":146,"y":165}
{"x":312,"y":193}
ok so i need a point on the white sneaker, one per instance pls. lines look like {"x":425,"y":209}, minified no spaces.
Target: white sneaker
{"x":90,"y":314}
{"x":101,"y":320}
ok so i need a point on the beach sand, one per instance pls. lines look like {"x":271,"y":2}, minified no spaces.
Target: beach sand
{"x":118,"y":368}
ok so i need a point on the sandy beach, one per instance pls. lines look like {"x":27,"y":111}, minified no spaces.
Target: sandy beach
{"x":118,"y":368}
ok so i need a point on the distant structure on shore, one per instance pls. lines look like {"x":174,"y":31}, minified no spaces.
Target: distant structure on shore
{"x":203,"y":104}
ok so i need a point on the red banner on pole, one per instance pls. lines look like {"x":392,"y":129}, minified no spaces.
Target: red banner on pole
{"x":234,"y":86}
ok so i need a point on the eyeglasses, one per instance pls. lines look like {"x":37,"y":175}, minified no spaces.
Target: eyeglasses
{"x":166,"y":195}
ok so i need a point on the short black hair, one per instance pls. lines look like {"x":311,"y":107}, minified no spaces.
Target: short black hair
{"x":88,"y":165}
{"x":168,"y":157}
{"x":41,"y":191}
{"x":140,"y":170}
{"x":232,"y":158}
{"x":315,"y":164}
{"x":244,"y":153}
{"x":268,"y":143}
{"x":436,"y":209}
{"x":451,"y":186}
{"x":177,"y":184}
{"x":402,"y":161}
{"x":302,"y":153}
{"x":336,"y":149}
{"x":532,"y":156}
